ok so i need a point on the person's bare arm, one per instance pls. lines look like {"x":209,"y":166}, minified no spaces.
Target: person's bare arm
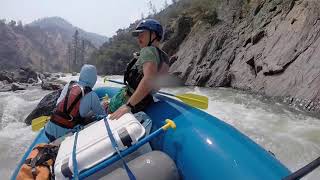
{"x":162,"y":76}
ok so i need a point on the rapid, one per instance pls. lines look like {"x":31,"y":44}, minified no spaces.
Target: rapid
{"x":292,"y":135}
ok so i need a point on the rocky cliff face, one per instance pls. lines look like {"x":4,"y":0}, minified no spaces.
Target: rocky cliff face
{"x":41,"y":45}
{"x":270,"y":47}
{"x":31,"y":47}
{"x":59,"y":26}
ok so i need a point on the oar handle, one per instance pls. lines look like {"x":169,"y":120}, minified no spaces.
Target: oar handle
{"x":170,"y":124}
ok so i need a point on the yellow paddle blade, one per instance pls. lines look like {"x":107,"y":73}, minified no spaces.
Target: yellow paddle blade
{"x":194,"y":100}
{"x":39,"y":122}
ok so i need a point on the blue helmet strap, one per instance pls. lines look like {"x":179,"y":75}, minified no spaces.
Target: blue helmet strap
{"x":151,"y":41}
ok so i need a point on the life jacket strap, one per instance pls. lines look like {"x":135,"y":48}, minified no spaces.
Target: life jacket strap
{"x":45,"y":157}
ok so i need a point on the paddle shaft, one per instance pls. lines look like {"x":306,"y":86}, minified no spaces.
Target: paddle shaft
{"x":161,"y":92}
{"x":190,"y":99}
{"x":304,"y":170}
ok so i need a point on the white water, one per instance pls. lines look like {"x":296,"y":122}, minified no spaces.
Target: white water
{"x":290,"y":134}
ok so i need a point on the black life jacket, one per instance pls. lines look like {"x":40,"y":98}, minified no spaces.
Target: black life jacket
{"x":67,"y":112}
{"x":133,"y":76}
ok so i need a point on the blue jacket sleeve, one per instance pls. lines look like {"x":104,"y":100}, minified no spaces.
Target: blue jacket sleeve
{"x":90,"y":102}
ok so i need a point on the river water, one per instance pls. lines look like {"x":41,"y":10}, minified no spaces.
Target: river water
{"x":293,"y":136}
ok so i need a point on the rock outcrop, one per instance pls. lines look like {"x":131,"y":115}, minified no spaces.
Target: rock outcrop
{"x":44,"y":45}
{"x":19,"y":79}
{"x":23,"y":78}
{"x":52,"y":85}
{"x":45,"y":107}
{"x":25,"y":75}
{"x":267,"y":47}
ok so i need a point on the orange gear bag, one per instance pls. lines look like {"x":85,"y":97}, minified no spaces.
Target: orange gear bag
{"x":40,"y":163}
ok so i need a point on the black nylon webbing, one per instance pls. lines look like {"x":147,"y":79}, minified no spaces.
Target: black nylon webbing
{"x":73,"y":104}
{"x":67,"y":97}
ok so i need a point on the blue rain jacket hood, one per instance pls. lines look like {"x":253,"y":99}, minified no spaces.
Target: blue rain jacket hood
{"x":88,"y":75}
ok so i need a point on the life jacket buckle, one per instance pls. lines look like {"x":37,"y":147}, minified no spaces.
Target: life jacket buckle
{"x":71,"y":118}
{"x":34,"y":172}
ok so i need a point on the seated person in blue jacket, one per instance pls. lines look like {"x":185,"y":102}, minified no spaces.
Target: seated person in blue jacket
{"x":75,"y":105}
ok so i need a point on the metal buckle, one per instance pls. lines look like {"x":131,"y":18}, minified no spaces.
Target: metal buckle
{"x":71,"y":118}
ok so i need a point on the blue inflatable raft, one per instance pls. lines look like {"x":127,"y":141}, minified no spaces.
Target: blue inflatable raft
{"x":202,"y":147}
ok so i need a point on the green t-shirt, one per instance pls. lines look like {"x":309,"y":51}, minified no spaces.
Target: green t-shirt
{"x":147,"y":54}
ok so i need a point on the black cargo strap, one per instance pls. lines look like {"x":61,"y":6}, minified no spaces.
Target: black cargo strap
{"x":162,"y":59}
{"x":63,"y":115}
{"x":45,"y":153}
{"x":65,"y":169}
{"x":84,"y":90}
{"x":129,"y":66}
{"x":65,"y":105}
{"x":73,"y":104}
{"x":49,"y":136}
{"x":125,"y":137}
{"x":134,"y":60}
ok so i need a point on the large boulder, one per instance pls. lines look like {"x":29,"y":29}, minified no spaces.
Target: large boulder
{"x":16,"y":86}
{"x":74,"y":73}
{"x":31,"y":81}
{"x":181,"y":28}
{"x":4,"y":86}
{"x":49,"y":85}
{"x":45,"y":107}
{"x":25,"y":75}
{"x":47,"y":74}
{"x":57,"y":76}
{"x":266,"y":47}
{"x":6,"y":76}
{"x":41,"y":76}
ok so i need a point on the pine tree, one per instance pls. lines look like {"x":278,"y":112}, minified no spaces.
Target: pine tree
{"x":41,"y":65}
{"x":69,"y":57}
{"x":75,"y":49}
{"x":82,"y":50}
{"x":152,"y":8}
{"x":165,"y":4}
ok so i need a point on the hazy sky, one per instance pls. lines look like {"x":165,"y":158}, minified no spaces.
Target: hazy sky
{"x":99,"y":16}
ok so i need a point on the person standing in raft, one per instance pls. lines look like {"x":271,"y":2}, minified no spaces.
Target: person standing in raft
{"x":76,"y":104}
{"x":142,"y":71}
